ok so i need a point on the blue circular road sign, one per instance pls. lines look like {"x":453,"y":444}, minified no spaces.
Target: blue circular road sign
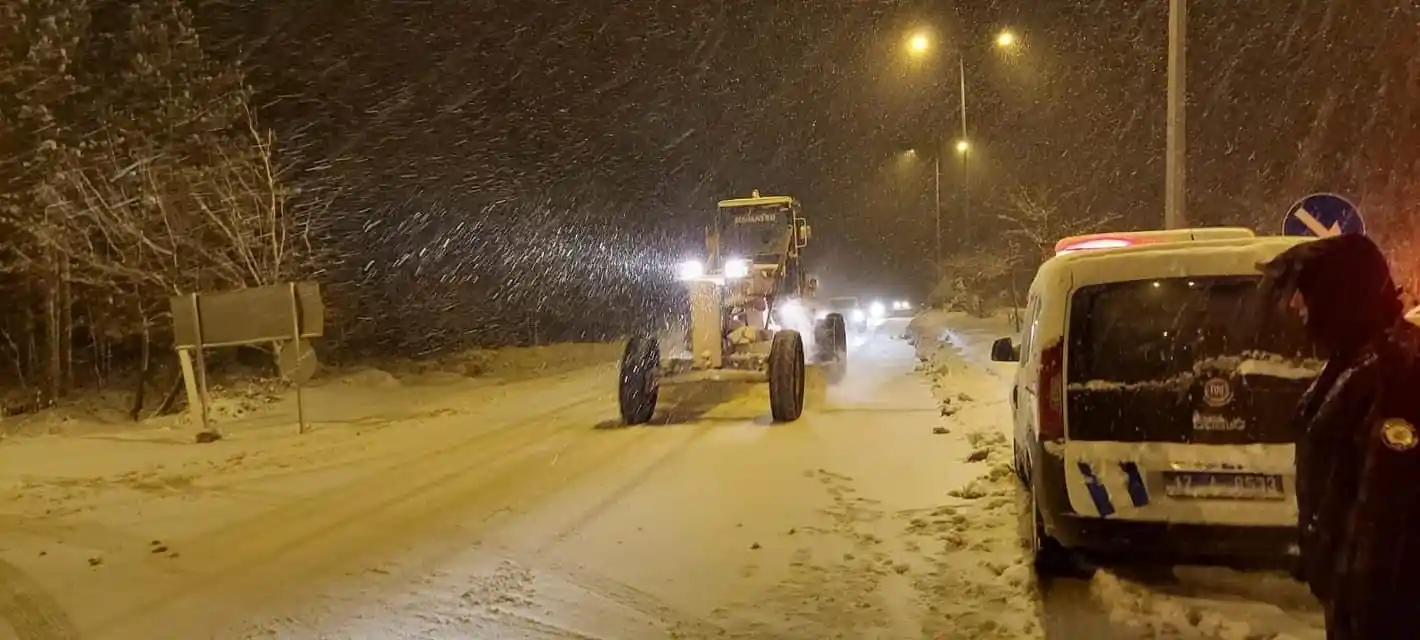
{"x":1322,"y":215}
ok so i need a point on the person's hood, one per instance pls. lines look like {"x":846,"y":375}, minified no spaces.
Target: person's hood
{"x":1346,"y":285}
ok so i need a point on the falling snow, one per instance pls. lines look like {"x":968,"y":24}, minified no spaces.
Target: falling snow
{"x":462,"y":175}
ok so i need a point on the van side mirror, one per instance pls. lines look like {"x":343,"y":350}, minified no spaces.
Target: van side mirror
{"x":1003,"y":351}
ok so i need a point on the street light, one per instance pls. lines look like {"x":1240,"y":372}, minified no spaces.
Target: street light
{"x":918,"y":44}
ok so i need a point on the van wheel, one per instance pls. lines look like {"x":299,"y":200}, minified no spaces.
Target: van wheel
{"x":1051,"y":560}
{"x":1020,"y":466}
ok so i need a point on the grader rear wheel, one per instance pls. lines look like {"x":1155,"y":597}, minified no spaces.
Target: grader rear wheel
{"x":839,"y":329}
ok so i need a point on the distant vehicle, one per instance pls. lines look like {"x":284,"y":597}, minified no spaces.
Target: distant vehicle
{"x":849,"y":308}
{"x":1146,"y":424}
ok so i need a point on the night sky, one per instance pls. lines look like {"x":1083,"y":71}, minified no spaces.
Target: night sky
{"x":575,"y":146}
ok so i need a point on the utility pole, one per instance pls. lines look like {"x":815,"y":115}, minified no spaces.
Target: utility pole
{"x":1175,"y":163}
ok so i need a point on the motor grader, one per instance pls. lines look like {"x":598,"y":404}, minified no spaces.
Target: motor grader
{"x":751,"y":304}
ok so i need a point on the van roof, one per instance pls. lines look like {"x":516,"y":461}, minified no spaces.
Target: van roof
{"x":1238,"y":256}
{"x":1118,"y":240}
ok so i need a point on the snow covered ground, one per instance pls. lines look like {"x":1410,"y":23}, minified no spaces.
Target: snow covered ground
{"x":432,"y":505}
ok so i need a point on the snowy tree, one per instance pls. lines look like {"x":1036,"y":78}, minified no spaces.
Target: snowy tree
{"x":1028,"y":223}
{"x":141,"y":171}
{"x":1036,"y":217}
{"x":40,"y":42}
{"x":972,"y":280}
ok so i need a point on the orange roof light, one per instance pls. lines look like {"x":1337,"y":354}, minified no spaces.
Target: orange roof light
{"x":1121,"y":240}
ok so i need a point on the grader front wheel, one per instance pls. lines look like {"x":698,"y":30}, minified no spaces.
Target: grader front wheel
{"x":786,"y":376}
{"x":639,"y":387}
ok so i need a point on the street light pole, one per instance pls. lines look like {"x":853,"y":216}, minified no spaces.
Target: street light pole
{"x":937,"y":174}
{"x":965,"y":181}
{"x":1175,"y":165}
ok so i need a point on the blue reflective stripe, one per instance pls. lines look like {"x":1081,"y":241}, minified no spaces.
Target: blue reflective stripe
{"x":1138,"y":493}
{"x":1098,"y":493}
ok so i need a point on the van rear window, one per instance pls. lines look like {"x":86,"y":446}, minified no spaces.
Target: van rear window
{"x":1147,"y":330}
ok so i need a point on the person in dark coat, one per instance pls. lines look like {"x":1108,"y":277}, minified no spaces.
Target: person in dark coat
{"x":1358,"y":452}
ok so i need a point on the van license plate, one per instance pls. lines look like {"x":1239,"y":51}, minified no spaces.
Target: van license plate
{"x":1223,"y":486}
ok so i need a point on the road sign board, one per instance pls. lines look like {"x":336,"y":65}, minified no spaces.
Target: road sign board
{"x":1322,"y":215}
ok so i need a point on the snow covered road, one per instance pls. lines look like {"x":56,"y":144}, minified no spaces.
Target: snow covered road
{"x":523,"y":510}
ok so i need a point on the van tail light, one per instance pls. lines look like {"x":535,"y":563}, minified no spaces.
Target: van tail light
{"x":1051,"y":397}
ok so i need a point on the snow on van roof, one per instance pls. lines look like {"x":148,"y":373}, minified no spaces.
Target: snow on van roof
{"x":1167,"y":260}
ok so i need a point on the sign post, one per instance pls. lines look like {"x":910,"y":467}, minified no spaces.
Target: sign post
{"x":1323,"y":215}
{"x":296,"y":346}
{"x":207,"y":431}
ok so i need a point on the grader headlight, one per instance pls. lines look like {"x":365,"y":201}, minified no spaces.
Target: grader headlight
{"x":736,"y":268}
{"x":690,"y":270}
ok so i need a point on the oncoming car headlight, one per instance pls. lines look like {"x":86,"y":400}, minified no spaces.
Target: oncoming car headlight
{"x":690,"y":269}
{"x":877,"y":310}
{"x":736,"y":268}
{"x":859,"y":316}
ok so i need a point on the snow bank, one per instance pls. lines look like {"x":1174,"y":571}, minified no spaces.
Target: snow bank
{"x":1205,"y":602}
{"x":238,"y":400}
{"x":994,"y":593}
{"x":937,"y":323}
{"x":88,"y":455}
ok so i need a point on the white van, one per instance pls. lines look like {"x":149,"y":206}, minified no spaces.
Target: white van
{"x":1152,"y":419}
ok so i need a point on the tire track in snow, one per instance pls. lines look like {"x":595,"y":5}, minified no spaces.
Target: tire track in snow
{"x":505,"y":600}
{"x":381,"y":506}
{"x":606,"y":502}
{"x":836,"y":577}
{"x":619,"y":592}
{"x":30,"y":611}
